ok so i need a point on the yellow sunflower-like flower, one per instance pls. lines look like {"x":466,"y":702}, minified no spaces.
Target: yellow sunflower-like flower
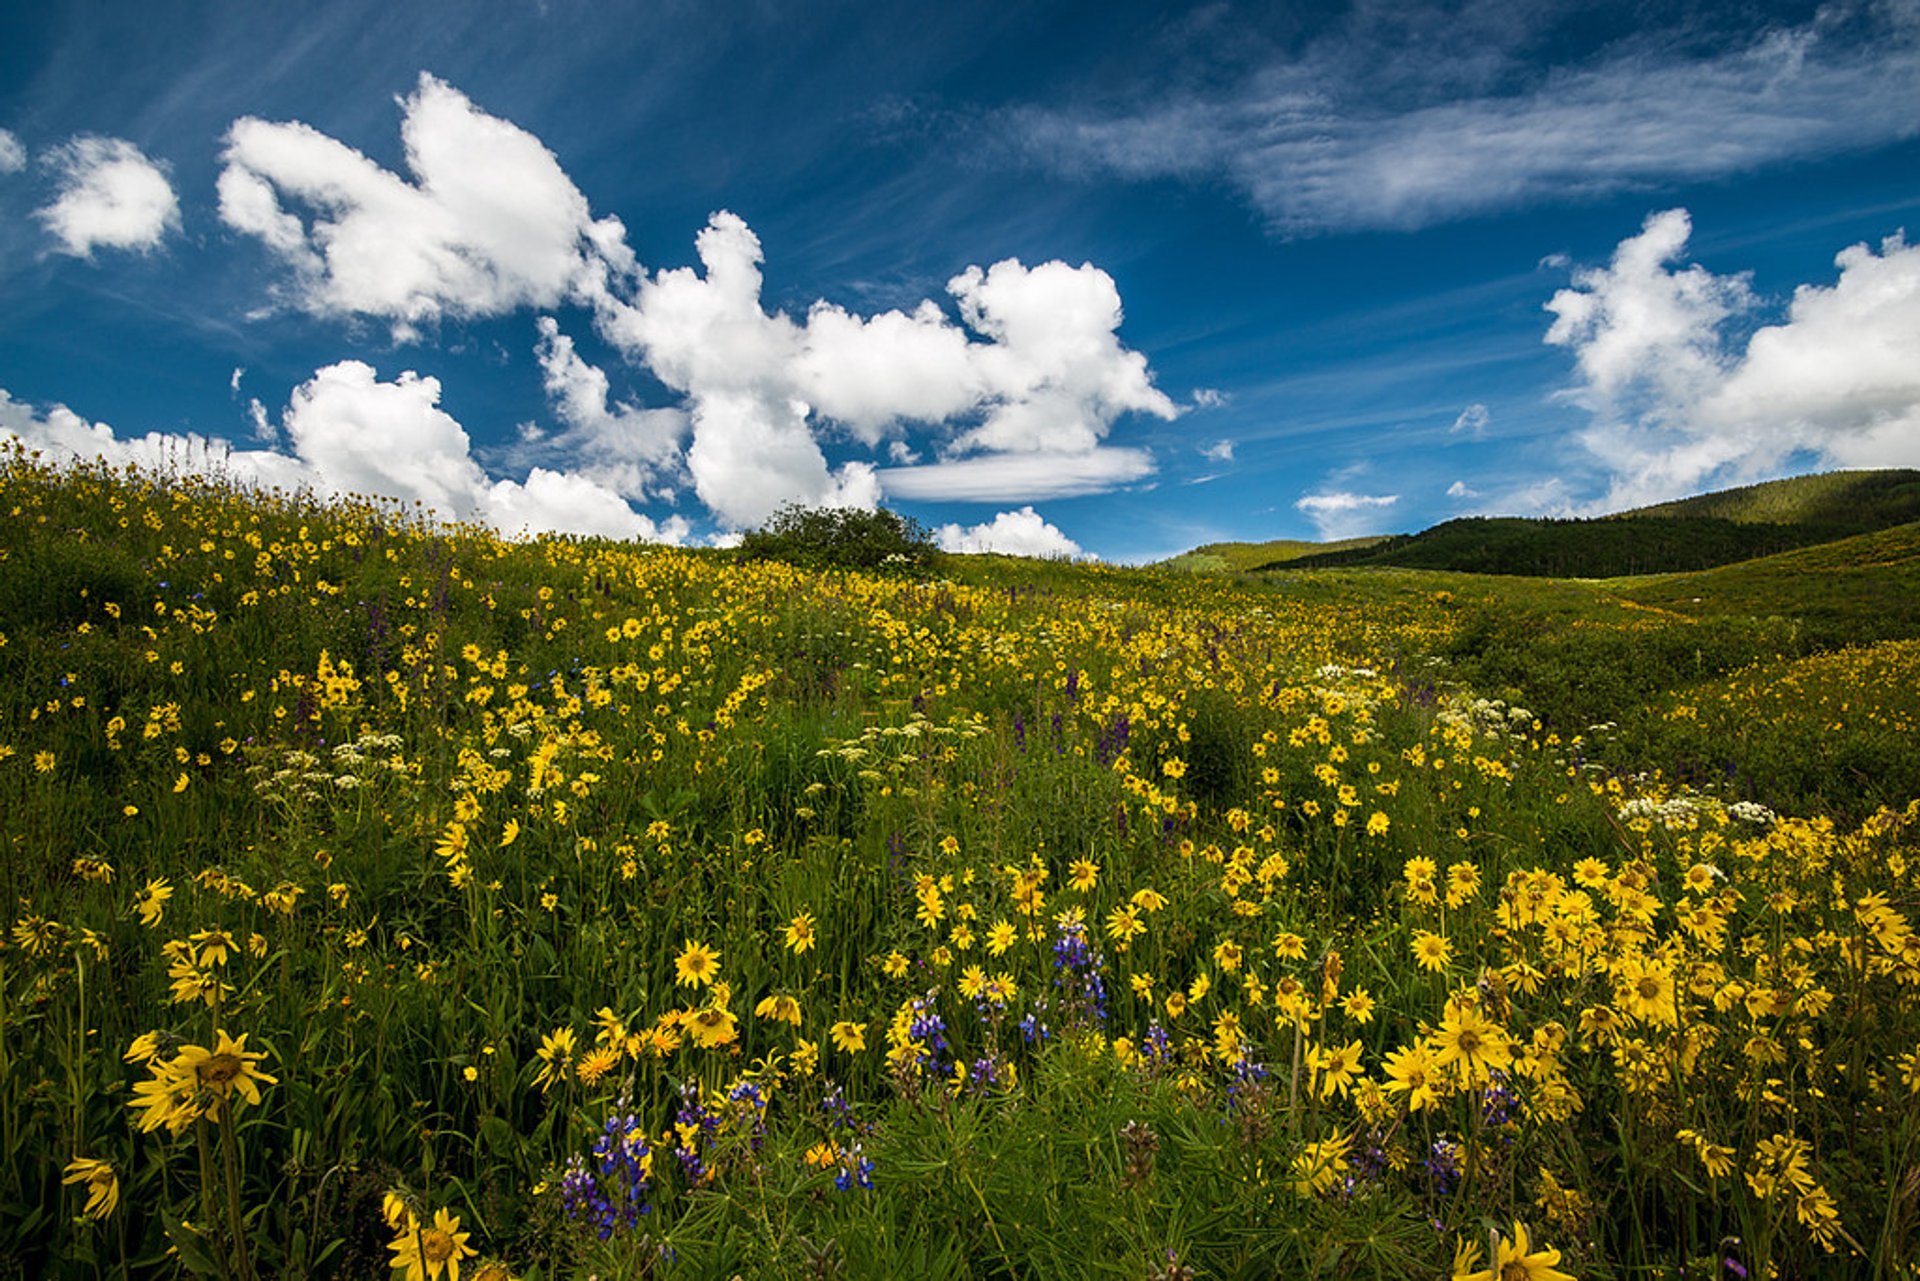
{"x":1515,"y":1261}
{"x":800,"y":933}
{"x":711,"y":1027}
{"x":103,"y":1185}
{"x":424,"y":1251}
{"x":780,"y":1007}
{"x":696,"y":965}
{"x":1431,"y":951}
{"x":227,"y":1068}
{"x":1473,"y":1046}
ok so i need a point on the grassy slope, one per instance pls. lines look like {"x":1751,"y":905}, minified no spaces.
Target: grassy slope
{"x":1237,"y":558}
{"x":1857,"y":589}
{"x":1693,"y":534}
{"x":1841,"y":498}
{"x":1684,"y":662}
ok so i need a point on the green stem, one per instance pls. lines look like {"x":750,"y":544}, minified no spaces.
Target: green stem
{"x":236,"y":1219}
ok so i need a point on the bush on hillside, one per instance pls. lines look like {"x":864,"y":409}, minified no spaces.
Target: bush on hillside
{"x":841,"y":538}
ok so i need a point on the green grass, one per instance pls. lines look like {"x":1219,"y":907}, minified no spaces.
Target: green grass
{"x":1241,"y":558}
{"x":460,"y":804}
{"x":1855,"y":500}
{"x":1690,"y":535}
{"x":1862,"y":588}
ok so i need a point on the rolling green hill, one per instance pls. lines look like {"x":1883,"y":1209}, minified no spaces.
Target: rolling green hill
{"x":1692,"y":534}
{"x":1863,"y":588}
{"x":1839,"y":499}
{"x":1233,"y":558}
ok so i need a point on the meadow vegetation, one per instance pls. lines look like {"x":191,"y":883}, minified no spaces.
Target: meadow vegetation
{"x":389,"y":897}
{"x":1688,"y":535}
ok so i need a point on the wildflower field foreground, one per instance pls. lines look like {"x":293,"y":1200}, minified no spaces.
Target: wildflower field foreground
{"x":389,"y":899}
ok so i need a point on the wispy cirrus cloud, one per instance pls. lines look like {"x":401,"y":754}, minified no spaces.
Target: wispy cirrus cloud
{"x":1307,"y":142}
{"x":1342,"y":514}
{"x":1018,"y":477}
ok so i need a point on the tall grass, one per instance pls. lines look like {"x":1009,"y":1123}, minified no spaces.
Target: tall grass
{"x":1025,"y":920}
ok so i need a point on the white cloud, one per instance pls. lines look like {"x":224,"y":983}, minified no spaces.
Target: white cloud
{"x":1040,"y":387}
{"x":111,"y":196}
{"x":361,"y":435}
{"x":65,"y":435}
{"x":1548,"y":497}
{"x":571,"y":503}
{"x":263,"y":428}
{"x":1842,"y":373}
{"x":352,"y":433}
{"x":489,"y":223}
{"x":705,"y":335}
{"x":872,"y":374}
{"x":1677,"y":406}
{"x":1346,"y":136}
{"x":1018,"y":477}
{"x":1016,"y":533}
{"x":1220,"y":451}
{"x":1642,"y":333}
{"x":13,"y":156}
{"x":1344,"y":515}
{"x":1208,"y":398}
{"x":1054,"y":369}
{"x":233,"y":382}
{"x":625,"y":447}
{"x":1473,"y":421}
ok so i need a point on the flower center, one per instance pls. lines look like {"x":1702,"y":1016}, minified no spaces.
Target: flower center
{"x":437,"y":1246}
{"x":221,"y":1069}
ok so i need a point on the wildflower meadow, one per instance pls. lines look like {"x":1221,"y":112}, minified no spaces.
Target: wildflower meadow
{"x":391,"y":899}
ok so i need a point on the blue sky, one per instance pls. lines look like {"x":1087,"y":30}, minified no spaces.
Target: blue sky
{"x":1114,"y":280}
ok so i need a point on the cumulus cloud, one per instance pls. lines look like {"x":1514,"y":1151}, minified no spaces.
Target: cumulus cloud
{"x":1345,"y":135}
{"x":488,"y":223}
{"x":1678,"y":405}
{"x":1220,"y":451}
{"x":110,"y":196}
{"x":1472,"y":421}
{"x":63,"y":434}
{"x":1016,"y":533}
{"x":623,"y":446}
{"x":13,"y":156}
{"x":1034,"y":380}
{"x":1643,"y":333}
{"x":350,"y":432}
{"x":1014,"y":398}
{"x":1344,"y":515}
{"x":1461,"y":491}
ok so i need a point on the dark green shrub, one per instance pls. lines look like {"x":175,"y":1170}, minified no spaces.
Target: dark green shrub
{"x":841,"y":538}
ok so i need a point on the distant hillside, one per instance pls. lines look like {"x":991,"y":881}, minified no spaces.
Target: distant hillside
{"x":1689,"y":535}
{"x":1864,"y":500}
{"x":1855,"y":589}
{"x":1229,"y":558}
